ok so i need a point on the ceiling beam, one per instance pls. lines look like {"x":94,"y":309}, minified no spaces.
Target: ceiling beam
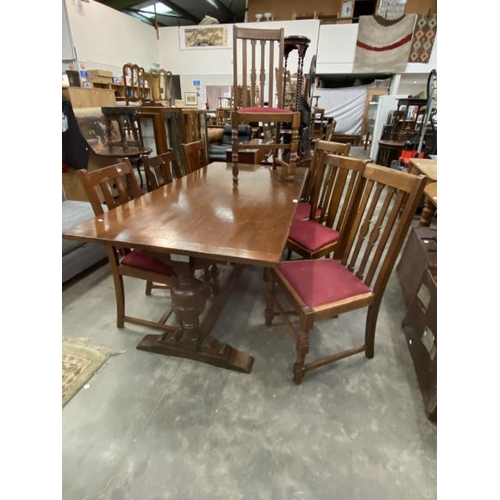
{"x":228,"y":13}
{"x":184,"y":13}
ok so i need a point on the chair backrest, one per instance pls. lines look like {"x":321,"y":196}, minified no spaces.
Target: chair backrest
{"x":330,"y":130}
{"x":258,"y":65}
{"x":321,"y":149}
{"x":195,"y":156}
{"x":337,"y":182}
{"x":378,"y":222}
{"x":161,"y":169}
{"x":113,"y":185}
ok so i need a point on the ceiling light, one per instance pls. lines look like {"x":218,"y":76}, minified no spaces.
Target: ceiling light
{"x":148,"y":10}
{"x":213,"y":3}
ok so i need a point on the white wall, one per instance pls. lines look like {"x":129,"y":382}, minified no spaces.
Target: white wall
{"x":107,"y":39}
{"x":214,"y":66}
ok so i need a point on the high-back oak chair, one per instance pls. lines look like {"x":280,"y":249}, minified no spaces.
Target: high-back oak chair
{"x":195,"y":156}
{"x":258,"y":56}
{"x":321,"y":289}
{"x":321,"y":149}
{"x":337,"y":180}
{"x":161,"y":169}
{"x":115,"y":185}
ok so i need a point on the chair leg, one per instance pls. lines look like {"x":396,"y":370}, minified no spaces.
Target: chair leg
{"x":371,"y":325}
{"x":120,"y":300}
{"x":214,"y":272}
{"x":302,"y":348}
{"x":269,"y":312}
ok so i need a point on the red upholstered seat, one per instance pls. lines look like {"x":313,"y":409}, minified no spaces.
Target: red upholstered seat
{"x":322,"y":281}
{"x":303,"y":210}
{"x":142,"y":260}
{"x":312,"y":235}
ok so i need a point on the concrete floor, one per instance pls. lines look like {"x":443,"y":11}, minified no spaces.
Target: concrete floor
{"x":152,"y":427}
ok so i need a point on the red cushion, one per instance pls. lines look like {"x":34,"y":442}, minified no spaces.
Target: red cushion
{"x":146,"y":262}
{"x":262,"y":109}
{"x":311,"y":234}
{"x":303,"y":209}
{"x":322,"y":281}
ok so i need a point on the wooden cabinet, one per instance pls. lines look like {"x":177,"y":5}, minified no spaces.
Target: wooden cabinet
{"x":408,"y":118}
{"x":81,"y":97}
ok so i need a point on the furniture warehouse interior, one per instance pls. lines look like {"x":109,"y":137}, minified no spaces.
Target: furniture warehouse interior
{"x":250,"y":228}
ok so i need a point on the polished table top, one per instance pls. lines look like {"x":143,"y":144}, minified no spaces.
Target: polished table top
{"x":424,"y":166}
{"x":204,"y":215}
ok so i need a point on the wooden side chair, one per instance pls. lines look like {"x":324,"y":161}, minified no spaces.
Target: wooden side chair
{"x":321,"y":289}
{"x":321,"y":149}
{"x":161,"y":169}
{"x":258,"y":56}
{"x":336,"y":184}
{"x":115,"y":185}
{"x":194,"y":155}
{"x":330,"y":129}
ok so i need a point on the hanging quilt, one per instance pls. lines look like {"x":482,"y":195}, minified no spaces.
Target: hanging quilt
{"x":383,"y":45}
{"x":423,"y":38}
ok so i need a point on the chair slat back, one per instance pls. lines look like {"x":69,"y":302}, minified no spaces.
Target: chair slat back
{"x":115,"y":185}
{"x":338,"y":179}
{"x":161,"y":169}
{"x":254,"y":50}
{"x":378,"y":223}
{"x":195,"y":156}
{"x":321,"y":149}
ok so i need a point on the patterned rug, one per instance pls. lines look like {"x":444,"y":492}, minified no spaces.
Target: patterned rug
{"x":423,"y":39}
{"x":79,"y":364}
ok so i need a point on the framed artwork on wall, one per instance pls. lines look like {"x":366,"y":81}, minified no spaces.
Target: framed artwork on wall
{"x":347,"y":9}
{"x":190,"y":98}
{"x":204,"y":37}
{"x":391,"y":9}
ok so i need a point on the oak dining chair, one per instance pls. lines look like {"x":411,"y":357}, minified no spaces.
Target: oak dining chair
{"x":161,"y":169}
{"x":258,"y":57}
{"x":111,"y":187}
{"x":321,"y":289}
{"x":337,"y":180}
{"x":194,"y":155}
{"x":321,"y":148}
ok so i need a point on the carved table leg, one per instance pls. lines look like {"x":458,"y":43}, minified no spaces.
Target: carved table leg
{"x":191,"y":339}
{"x":427,"y":213}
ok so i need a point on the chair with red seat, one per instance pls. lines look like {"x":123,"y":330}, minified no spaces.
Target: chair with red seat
{"x":320,"y":289}
{"x":321,"y":148}
{"x":335,"y":184}
{"x":112,"y":186}
{"x":258,"y":56}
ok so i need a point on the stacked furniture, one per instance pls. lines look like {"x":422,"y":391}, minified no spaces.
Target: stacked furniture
{"x":417,"y":273}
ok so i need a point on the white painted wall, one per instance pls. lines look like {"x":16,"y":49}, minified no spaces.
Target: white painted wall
{"x":214,"y":66}
{"x":107,"y":39}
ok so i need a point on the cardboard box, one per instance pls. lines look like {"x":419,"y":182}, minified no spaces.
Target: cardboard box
{"x":99,"y":72}
{"x":99,"y":79}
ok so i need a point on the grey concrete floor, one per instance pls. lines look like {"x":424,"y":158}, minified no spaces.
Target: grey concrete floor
{"x":152,"y":427}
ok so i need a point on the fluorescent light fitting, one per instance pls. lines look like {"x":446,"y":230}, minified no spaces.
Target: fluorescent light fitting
{"x":213,"y":4}
{"x":149,"y":10}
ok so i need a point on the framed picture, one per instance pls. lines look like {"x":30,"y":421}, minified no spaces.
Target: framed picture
{"x":347,"y":9}
{"x":204,"y":37}
{"x":190,"y":99}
